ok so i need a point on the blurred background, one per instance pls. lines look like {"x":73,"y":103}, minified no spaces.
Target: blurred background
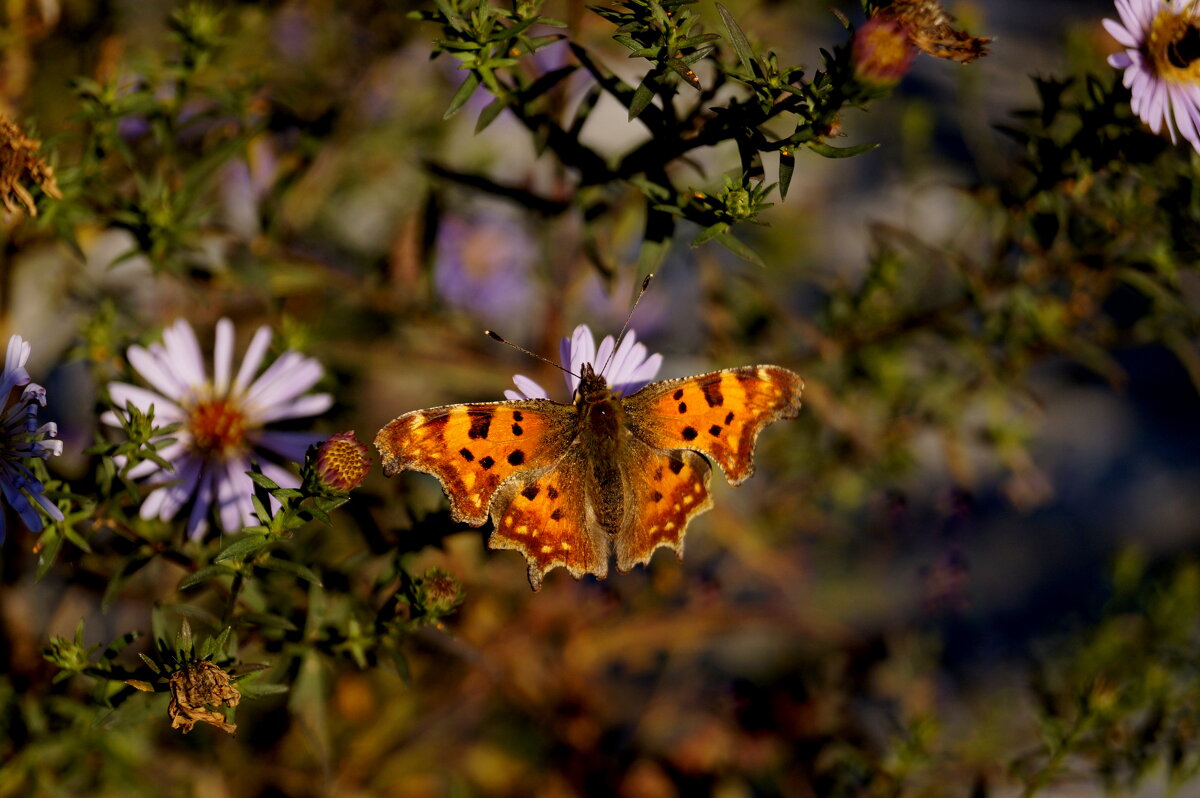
{"x":950,"y":576}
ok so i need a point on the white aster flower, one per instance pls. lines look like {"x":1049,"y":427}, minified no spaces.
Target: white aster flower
{"x":223,"y":422}
{"x":1161,"y":62}
{"x":21,"y":437}
{"x":627,"y":371}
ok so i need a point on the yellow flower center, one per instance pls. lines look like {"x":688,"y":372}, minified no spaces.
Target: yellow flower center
{"x":1174,"y":46}
{"x":217,"y":426}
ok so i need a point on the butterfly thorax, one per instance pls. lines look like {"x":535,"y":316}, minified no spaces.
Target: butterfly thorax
{"x":600,"y":425}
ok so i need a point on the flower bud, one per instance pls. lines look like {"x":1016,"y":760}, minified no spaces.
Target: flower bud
{"x":438,"y":591}
{"x":342,"y":462}
{"x":881,"y":53}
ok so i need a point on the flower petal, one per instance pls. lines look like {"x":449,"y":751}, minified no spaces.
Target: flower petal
{"x":183,"y":353}
{"x":222,"y":357}
{"x":1120,"y":33}
{"x":253,"y":358}
{"x":313,"y":404}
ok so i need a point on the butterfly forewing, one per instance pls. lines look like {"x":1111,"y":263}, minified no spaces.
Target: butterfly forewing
{"x":718,"y":414}
{"x":473,"y":448}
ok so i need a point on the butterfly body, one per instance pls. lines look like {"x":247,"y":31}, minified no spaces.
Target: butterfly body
{"x":568,"y":485}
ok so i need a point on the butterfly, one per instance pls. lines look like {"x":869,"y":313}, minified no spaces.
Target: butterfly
{"x":569,"y":484}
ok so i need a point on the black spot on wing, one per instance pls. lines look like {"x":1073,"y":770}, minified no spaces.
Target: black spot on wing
{"x":714,"y":430}
{"x":557,"y":514}
{"x":481,"y":422}
{"x":655,"y":496}
{"x":517,"y":429}
{"x":517,"y":416}
{"x":676,"y":466}
{"x":712,"y":393}
{"x":728,"y":417}
{"x":531,"y":492}
{"x":487,"y":463}
{"x":466,"y":454}
{"x":516,"y":457}
{"x":679,"y":394}
{"x":551,"y":491}
{"x":689,"y":433}
{"x":683,"y":407}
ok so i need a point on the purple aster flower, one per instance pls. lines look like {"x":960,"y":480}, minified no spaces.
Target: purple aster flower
{"x":627,"y":371}
{"x":483,"y":265}
{"x":223,"y":422}
{"x":1161,"y":63}
{"x":21,"y":437}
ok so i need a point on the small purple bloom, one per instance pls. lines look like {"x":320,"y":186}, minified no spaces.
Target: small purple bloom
{"x":1162,"y":70}
{"x":627,"y":371}
{"x":21,"y":438}
{"x":223,"y":422}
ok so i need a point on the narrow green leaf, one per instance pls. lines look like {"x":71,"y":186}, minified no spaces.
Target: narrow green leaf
{"x":293,"y":568}
{"x":463,"y":94}
{"x":151,"y":664}
{"x":829,"y":151}
{"x":787,"y":165}
{"x":262,"y":480}
{"x":739,"y":248}
{"x":684,"y":71}
{"x":205,"y":574}
{"x":741,"y":45}
{"x":710,"y":232}
{"x":489,"y":114}
{"x":267,"y":619}
{"x":183,"y":640}
{"x":242,"y":547}
{"x":48,"y":546}
{"x":251,"y":688}
{"x":641,"y":98}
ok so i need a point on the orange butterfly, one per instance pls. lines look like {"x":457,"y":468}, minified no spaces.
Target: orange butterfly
{"x":566,"y":484}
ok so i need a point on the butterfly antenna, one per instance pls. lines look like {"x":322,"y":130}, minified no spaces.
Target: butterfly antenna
{"x":496,"y":337}
{"x":621,"y":335}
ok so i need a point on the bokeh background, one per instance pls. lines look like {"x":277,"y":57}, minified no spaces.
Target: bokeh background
{"x":976,"y":533}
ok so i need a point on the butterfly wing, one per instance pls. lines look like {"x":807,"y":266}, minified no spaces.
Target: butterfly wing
{"x":549,"y":516}
{"x":718,"y":414}
{"x":474,"y":448}
{"x":664,"y":491}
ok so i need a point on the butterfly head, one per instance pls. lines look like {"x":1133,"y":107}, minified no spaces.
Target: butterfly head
{"x":593,"y":388}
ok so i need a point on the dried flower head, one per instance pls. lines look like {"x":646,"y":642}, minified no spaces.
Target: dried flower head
{"x":342,"y":462}
{"x":196,"y":685}
{"x":19,"y":165}
{"x":881,"y":53}
{"x":930,"y":30}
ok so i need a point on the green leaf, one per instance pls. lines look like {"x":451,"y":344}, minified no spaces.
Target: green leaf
{"x":48,"y":546}
{"x":262,"y":480}
{"x":242,"y":547}
{"x":489,"y":114}
{"x":684,"y":71}
{"x":829,"y":151}
{"x":251,"y":688}
{"x":204,"y":574}
{"x":183,"y":640}
{"x":151,"y":664}
{"x":267,"y":619}
{"x":463,"y":94}
{"x":641,"y":99}
{"x":787,"y":165}
{"x":293,"y":568}
{"x":739,"y":248}
{"x":710,"y":232}
{"x":741,"y":45}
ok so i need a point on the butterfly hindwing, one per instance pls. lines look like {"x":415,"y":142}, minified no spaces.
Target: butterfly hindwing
{"x":548,"y":516}
{"x":664,"y":491}
{"x":718,"y":414}
{"x":473,"y":448}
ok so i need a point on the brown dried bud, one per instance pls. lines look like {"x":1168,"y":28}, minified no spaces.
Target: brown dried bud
{"x":929,"y":29}
{"x":19,"y":164}
{"x":196,"y":685}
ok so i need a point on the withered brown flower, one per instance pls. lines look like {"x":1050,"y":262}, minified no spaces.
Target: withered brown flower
{"x":196,"y":685}
{"x":930,"y":30}
{"x":20,"y":165}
